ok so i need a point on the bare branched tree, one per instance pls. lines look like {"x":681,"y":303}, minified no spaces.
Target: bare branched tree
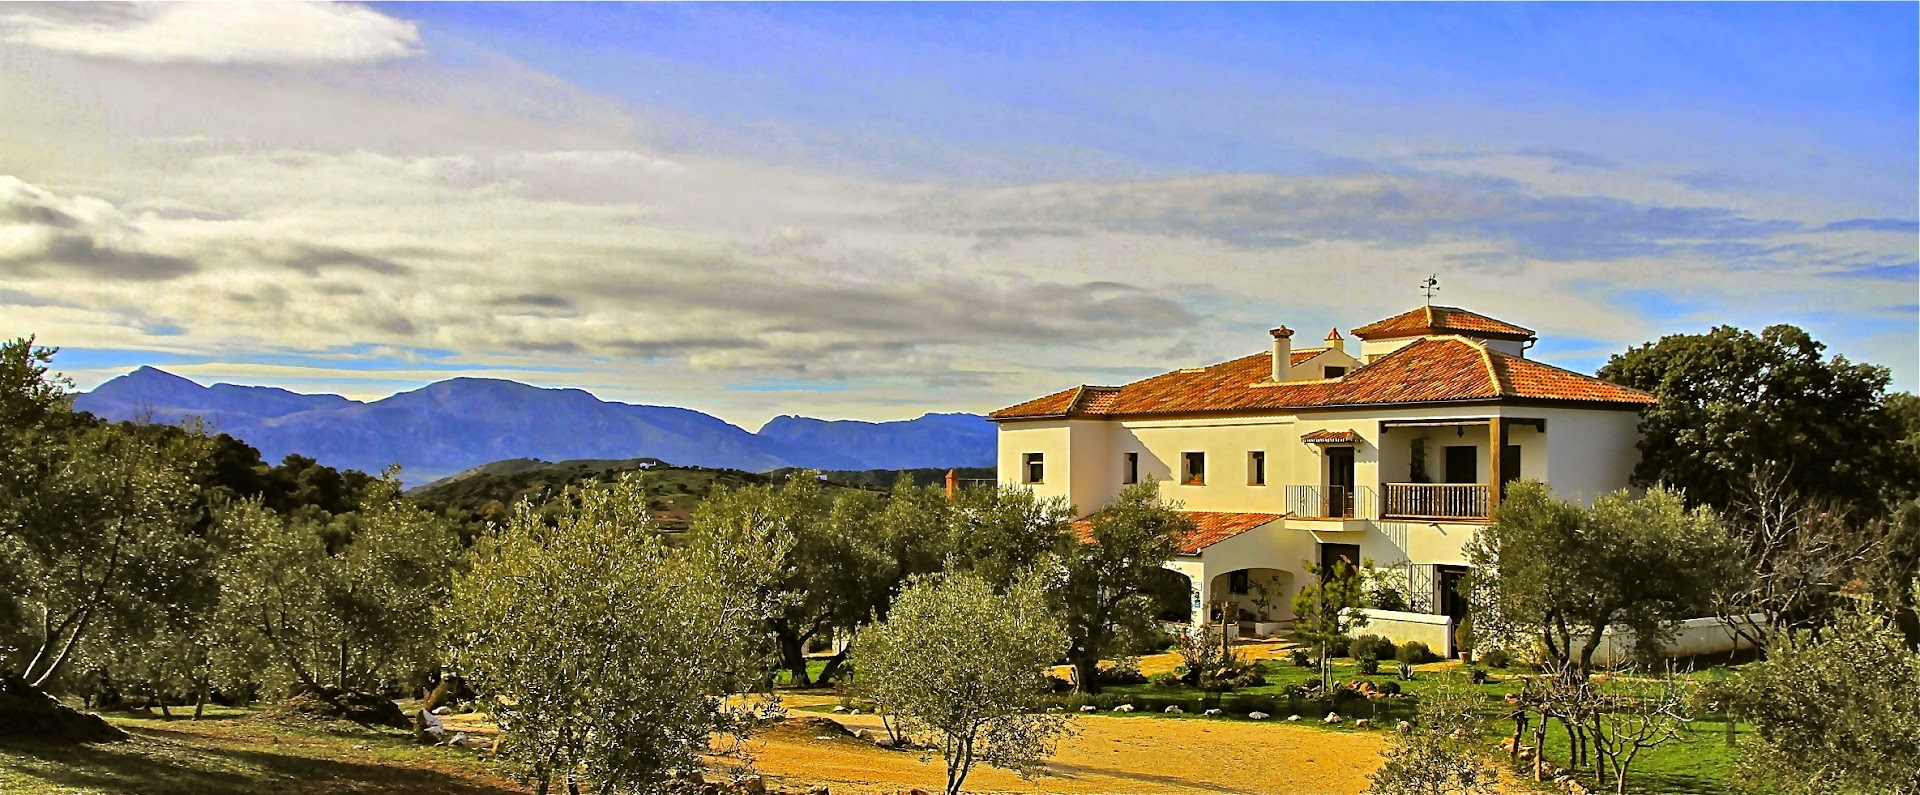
{"x":1797,"y":556}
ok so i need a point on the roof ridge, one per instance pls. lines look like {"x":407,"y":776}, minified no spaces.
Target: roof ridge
{"x":1493,"y":372}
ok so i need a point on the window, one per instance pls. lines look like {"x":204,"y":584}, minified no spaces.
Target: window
{"x":1193,"y":468}
{"x":1130,"y":469}
{"x":1237,"y":582}
{"x":1035,"y":468}
{"x":1333,"y":372}
{"x":1257,"y":468}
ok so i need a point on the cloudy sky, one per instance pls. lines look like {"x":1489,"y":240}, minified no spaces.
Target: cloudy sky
{"x":873,"y":212}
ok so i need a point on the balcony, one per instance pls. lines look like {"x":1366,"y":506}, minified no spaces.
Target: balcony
{"x":1330,"y":502}
{"x":1437,"y":501}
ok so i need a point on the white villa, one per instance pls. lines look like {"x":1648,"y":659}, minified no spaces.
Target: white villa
{"x":1393,"y":453}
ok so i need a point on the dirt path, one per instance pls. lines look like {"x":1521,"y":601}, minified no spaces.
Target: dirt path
{"x":1111,"y":755}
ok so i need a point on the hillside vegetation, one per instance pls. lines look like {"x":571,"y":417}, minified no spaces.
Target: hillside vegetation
{"x":488,"y":493}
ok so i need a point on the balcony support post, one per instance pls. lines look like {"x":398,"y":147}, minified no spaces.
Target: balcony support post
{"x":1497,"y":438}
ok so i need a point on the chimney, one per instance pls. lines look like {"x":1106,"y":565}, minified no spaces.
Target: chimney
{"x":1282,"y":353}
{"x":1335,"y":341}
{"x":953,"y":484}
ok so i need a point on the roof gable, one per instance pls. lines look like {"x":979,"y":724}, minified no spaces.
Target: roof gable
{"x":1428,"y":320}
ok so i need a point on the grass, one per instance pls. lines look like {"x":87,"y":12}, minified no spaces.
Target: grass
{"x":784,"y":677}
{"x":226,"y":753}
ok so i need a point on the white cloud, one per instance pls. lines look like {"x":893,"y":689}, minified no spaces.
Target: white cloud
{"x":219,"y":33}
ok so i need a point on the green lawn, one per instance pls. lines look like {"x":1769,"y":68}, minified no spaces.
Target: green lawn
{"x":225,"y":753}
{"x":783,"y":677}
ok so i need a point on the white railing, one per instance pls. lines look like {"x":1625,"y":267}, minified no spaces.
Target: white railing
{"x":1437,"y":501}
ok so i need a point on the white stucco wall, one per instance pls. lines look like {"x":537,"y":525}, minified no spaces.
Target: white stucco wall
{"x":1590,"y":452}
{"x":1399,"y":627}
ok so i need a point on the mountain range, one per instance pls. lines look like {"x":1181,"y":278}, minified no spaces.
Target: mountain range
{"x":457,"y":424}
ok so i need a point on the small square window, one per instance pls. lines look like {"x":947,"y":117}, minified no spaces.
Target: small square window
{"x":1035,"y":468}
{"x":1193,"y":469}
{"x":1130,"y":469}
{"x":1334,"y":372}
{"x":1237,"y":582}
{"x":1257,"y":468}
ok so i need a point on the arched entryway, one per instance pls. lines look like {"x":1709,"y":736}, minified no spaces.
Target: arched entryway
{"x":1260,"y":600}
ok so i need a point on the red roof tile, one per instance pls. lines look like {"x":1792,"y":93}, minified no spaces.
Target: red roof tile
{"x":1431,"y":370}
{"x":1209,"y":528}
{"x":1330,"y":437}
{"x":1441,"y":320}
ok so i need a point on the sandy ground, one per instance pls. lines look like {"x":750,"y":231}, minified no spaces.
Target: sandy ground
{"x":1111,"y":755}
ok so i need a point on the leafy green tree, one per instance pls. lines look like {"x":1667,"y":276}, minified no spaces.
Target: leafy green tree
{"x":355,"y":618}
{"x":1833,"y":713}
{"x":821,"y":582}
{"x":890,"y":539}
{"x":1327,"y":609}
{"x":1733,"y":402}
{"x":1440,"y":754}
{"x":600,"y":650}
{"x":1003,"y":533}
{"x":1107,"y":593}
{"x":1564,"y":573}
{"x":966,"y":664}
{"x":103,"y":530}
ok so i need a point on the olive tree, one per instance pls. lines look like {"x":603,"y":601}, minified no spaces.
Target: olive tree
{"x":1439,"y":754}
{"x":1107,"y":592}
{"x":603,"y":655}
{"x":1565,"y":574}
{"x":357,"y":618}
{"x":1833,"y":713}
{"x":967,"y":665}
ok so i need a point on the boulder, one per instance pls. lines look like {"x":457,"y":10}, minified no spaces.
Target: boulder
{"x":1363,"y":723}
{"x":1123,"y":708}
{"x":1293,"y":718}
{"x":1256,"y":715}
{"x":1403,"y":727}
{"x":1332,"y":718}
{"x":1213,"y":713}
{"x":1173,"y":709}
{"x":1089,"y":708}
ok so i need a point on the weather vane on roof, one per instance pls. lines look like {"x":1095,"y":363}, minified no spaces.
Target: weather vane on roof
{"x":1430,"y":286}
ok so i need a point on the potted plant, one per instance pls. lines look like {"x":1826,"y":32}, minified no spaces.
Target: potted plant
{"x":1463,"y":639}
{"x":1262,"y":598}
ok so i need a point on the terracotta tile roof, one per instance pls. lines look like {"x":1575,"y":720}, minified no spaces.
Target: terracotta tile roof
{"x":1431,"y":370}
{"x":1209,"y":528}
{"x":1330,"y":437}
{"x":1441,"y":320}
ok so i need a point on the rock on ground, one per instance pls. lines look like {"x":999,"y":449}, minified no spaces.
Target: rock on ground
{"x":366,"y":709}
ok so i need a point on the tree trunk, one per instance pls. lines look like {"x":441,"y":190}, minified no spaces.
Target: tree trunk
{"x":838,"y":659}
{"x":1086,"y":671}
{"x":199,"y":700}
{"x":793,"y":654}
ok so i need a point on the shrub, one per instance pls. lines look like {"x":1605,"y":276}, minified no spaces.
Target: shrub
{"x":1156,"y":640}
{"x":1388,"y":598}
{"x":1339,"y":647}
{"x":1369,"y":666}
{"x":1165,"y":679}
{"x":1296,"y":690}
{"x":1497,"y":658}
{"x":1300,"y":658}
{"x":1389,"y":688}
{"x":1123,"y":672}
{"x":1414,"y":652}
{"x":1253,"y":675}
{"x":1477,"y":676}
{"x":1371,"y":647}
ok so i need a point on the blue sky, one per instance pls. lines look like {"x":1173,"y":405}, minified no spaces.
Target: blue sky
{"x":876,"y":210}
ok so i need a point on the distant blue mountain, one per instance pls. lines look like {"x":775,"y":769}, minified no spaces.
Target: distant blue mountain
{"x":457,"y":424}
{"x":933,"y":440}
